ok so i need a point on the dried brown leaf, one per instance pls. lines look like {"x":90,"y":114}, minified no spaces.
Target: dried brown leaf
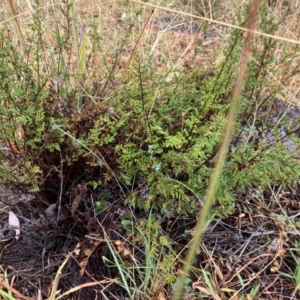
{"x":75,"y":204}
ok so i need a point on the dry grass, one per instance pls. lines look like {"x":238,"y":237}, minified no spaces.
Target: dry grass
{"x":164,"y":42}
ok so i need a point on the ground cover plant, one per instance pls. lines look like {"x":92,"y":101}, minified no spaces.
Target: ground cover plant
{"x":112,"y":117}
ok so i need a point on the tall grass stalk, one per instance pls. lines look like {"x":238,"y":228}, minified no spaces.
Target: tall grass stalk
{"x":228,"y":130}
{"x":17,"y":26}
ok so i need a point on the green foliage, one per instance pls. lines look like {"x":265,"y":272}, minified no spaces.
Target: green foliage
{"x":159,"y":255}
{"x":157,"y":138}
{"x":149,"y":234}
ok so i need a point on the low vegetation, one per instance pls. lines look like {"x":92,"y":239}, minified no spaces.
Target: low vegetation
{"x":112,"y":119}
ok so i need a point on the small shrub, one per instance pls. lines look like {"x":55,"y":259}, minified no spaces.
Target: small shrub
{"x":152,"y":140}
